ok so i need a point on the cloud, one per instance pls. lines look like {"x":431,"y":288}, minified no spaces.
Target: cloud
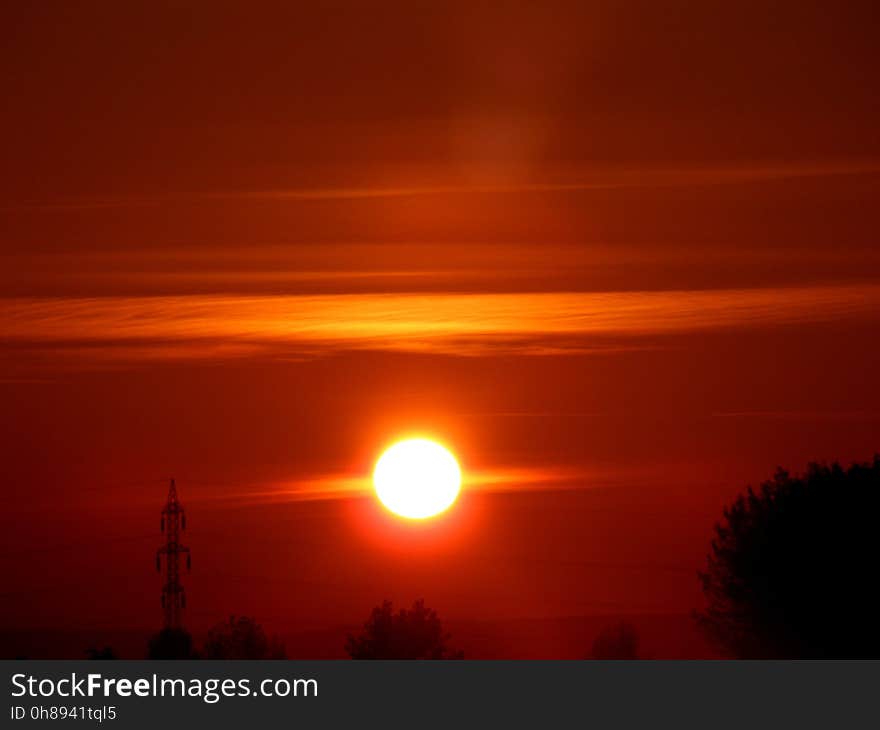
{"x":603,"y":180}
{"x":347,"y":486}
{"x":211,"y":326}
{"x":583,"y":181}
{"x":801,"y":416}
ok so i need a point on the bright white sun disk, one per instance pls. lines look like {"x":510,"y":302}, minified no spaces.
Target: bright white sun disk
{"x":417,"y":478}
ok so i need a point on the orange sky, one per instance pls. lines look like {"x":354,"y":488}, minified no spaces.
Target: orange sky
{"x":621,"y":258}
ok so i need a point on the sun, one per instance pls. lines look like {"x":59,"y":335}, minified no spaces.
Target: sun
{"x":417,"y":478}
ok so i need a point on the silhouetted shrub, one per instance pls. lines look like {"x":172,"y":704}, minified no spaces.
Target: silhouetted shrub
{"x":171,"y":644}
{"x":416,"y":633}
{"x":241,"y":638}
{"x":792,"y":568}
{"x":620,"y":641}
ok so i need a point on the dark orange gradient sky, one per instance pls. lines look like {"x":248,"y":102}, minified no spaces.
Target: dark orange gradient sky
{"x":621,"y":257}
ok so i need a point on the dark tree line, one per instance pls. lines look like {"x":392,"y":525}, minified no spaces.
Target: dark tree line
{"x":415,"y":633}
{"x":240,"y":637}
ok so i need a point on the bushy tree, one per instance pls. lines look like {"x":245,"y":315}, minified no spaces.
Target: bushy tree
{"x":414,"y":633}
{"x":620,"y":641}
{"x":171,"y":644}
{"x":241,"y":638}
{"x":792,"y":570}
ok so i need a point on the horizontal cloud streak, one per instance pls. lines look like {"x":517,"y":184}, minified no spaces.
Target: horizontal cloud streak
{"x":604,"y":180}
{"x":588,"y":180}
{"x":498,"y":480}
{"x":456,"y":324}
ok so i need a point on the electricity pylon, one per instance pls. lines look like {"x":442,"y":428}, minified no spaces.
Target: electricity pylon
{"x":173,"y":523}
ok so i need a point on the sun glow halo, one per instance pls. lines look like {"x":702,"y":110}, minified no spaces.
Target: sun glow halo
{"x":417,"y":478}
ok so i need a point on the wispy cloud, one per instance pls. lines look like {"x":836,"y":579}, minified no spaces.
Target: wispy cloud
{"x":574,"y":181}
{"x":171,"y":327}
{"x":347,"y":486}
{"x":603,"y":180}
{"x":801,"y":415}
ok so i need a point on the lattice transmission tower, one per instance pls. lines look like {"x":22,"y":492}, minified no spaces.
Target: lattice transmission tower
{"x":173,"y":523}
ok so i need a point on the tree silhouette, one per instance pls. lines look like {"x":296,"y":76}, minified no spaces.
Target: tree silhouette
{"x":241,"y":638}
{"x":620,"y":641}
{"x":414,"y":633}
{"x":791,"y":571}
{"x":171,"y":644}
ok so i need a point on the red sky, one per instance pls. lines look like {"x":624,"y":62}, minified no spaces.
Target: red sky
{"x":621,"y":258}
